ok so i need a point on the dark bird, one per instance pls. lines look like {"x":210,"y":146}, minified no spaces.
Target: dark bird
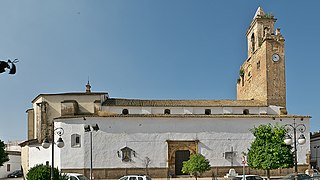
{"x":3,"y":66}
{"x":6,"y":65}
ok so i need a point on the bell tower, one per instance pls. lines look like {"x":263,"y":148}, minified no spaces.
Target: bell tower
{"x":262,"y":75}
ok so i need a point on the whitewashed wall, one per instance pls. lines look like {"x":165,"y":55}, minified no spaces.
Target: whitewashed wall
{"x":14,"y":150}
{"x":147,"y":137}
{"x":39,"y":155}
{"x":15,"y":164}
{"x":315,"y":150}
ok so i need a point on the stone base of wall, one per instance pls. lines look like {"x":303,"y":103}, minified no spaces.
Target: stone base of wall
{"x":222,"y":171}
{"x":116,"y":173}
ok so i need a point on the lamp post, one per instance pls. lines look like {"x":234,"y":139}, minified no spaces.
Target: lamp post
{"x":316,"y":148}
{"x":301,"y":140}
{"x":60,"y":144}
{"x":87,"y":128}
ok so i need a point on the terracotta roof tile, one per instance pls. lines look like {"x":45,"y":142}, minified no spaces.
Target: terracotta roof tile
{"x":183,"y":103}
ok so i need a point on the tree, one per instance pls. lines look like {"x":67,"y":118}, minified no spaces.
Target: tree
{"x":195,"y":165}
{"x":42,"y":172}
{"x":147,"y":162}
{"x":268,"y":150}
{"x":3,"y":155}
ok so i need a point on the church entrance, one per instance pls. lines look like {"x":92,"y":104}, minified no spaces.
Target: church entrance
{"x":179,"y":151}
{"x":181,"y":155}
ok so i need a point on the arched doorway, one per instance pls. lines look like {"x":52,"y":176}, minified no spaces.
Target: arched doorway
{"x":179,"y":151}
{"x":180,"y":156}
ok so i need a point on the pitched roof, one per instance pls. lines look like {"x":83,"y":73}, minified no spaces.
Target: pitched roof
{"x":183,"y":103}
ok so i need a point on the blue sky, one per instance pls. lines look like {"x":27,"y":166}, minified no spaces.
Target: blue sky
{"x":147,"y":49}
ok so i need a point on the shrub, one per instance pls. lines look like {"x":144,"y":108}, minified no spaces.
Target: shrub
{"x":42,"y":172}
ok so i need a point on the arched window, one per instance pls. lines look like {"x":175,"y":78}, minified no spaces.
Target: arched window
{"x":246,"y":111}
{"x":265,"y":31}
{"x":167,"y":111}
{"x":207,"y":111}
{"x":252,"y":42}
{"x":125,"y":111}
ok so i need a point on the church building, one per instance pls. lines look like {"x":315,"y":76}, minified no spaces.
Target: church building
{"x":136,"y":136}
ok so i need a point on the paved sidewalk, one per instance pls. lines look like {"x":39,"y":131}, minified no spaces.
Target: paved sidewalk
{"x":192,"y":178}
{"x":182,"y":178}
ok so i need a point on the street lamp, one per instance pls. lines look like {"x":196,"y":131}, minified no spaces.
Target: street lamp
{"x":316,"y":148}
{"x":87,"y":128}
{"x":301,"y":140}
{"x":45,"y":144}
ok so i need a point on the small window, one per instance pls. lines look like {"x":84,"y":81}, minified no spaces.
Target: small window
{"x":47,"y":163}
{"x":132,"y":178}
{"x":8,"y":167}
{"x":253,"y":42}
{"x":140,"y":178}
{"x":167,"y":111}
{"x":258,"y":65}
{"x":125,"y":111}
{"x":246,"y":111}
{"x":265,"y":30}
{"x":207,"y":111}
{"x":75,"y":141}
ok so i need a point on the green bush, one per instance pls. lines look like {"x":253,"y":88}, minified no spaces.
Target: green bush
{"x":42,"y":172}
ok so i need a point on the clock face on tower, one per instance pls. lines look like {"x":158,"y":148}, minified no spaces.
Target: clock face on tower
{"x":275,"y":57}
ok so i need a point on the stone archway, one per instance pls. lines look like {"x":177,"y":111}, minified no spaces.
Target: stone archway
{"x":179,"y":148}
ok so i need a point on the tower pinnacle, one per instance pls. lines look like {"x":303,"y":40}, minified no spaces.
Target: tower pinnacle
{"x":259,"y":12}
{"x":88,"y":87}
